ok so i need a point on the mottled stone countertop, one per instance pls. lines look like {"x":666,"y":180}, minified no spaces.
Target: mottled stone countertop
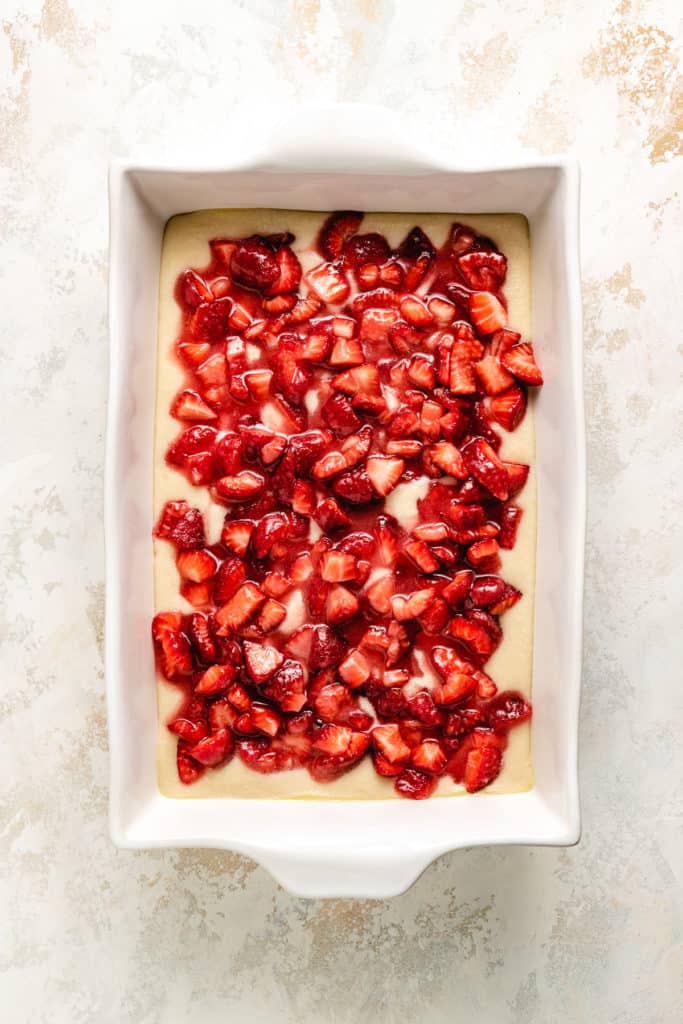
{"x":537,"y":936}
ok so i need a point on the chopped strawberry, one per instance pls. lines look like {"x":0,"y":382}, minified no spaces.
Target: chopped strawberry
{"x":328,"y":283}
{"x":339,"y":416}
{"x":194,"y":353}
{"x":341,"y":606}
{"x":258,"y":383}
{"x":429,"y":757}
{"x":517,"y":474}
{"x":418,"y":552}
{"x":329,"y":465}
{"x":265,"y":719}
{"x":215,"y":680}
{"x":336,"y":231}
{"x":520,"y":361}
{"x":173,"y":649}
{"x":483,"y":553}
{"x":213,"y":750}
{"x":493,"y":377}
{"x":196,"y":565}
{"x":326,"y":650}
{"x":487,"y":313}
{"x":510,"y":520}
{"x":188,"y":405}
{"x":231,"y":573}
{"x":333,"y":703}
{"x":484,"y":464}
{"x":415,"y":311}
{"x":421,"y":371}
{"x":236,"y":535}
{"x":329,"y":516}
{"x":354,"y":487}
{"x":289,"y":273}
{"x":287,"y":687}
{"x":189,"y":770}
{"x":388,"y":740}
{"x":254,"y":264}
{"x":474,"y":636}
{"x":415,"y":785}
{"x":261,"y":661}
{"x":377,"y":324}
{"x":338,"y":566}
{"x":447,"y":457}
{"x":384,"y":472}
{"x":422,"y":707}
{"x":388,"y":546}
{"x":487,"y":590}
{"x":354,"y":669}
{"x":509,"y":597}
{"x":276,"y":584}
{"x":363,"y":249}
{"x":241,"y":606}
{"x":405,"y":447}
{"x":360,"y":380}
{"x":507,"y":709}
{"x":484,"y":271}
{"x":272,"y":527}
{"x":434,"y":618}
{"x":379,"y":595}
{"x":509,"y":407}
{"x":457,"y":687}
{"x":182,"y":525}
{"x":368,"y":276}
{"x":356,"y":447}
{"x":244,"y":484}
{"x":404,"y":608}
{"x":201,"y":639}
{"x":482,"y":767}
{"x":210,"y":320}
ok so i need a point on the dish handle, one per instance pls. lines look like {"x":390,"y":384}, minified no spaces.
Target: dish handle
{"x":354,"y":875}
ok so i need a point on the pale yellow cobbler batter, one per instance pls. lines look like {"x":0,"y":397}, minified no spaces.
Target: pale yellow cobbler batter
{"x":186,"y":245}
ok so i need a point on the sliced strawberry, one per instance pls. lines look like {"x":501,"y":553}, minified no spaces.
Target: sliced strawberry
{"x":509,"y":597}
{"x":429,"y":757}
{"x":487,"y":313}
{"x":473,"y":635}
{"x":431,"y":415}
{"x":333,"y":739}
{"x":520,"y":361}
{"x":388,"y":740}
{"x":482,"y":767}
{"x":289,"y":273}
{"x":388,"y":545}
{"x":447,"y":457}
{"x":287,"y":687}
{"x":506,"y":710}
{"x":366,"y":249}
{"x":385,"y":768}
{"x":367,"y":276}
{"x":194,"y":353}
{"x":326,"y":650}
{"x":213,"y":750}
{"x":279,"y":304}
{"x":210,"y":320}
{"x":415,"y":785}
{"x":384,"y":473}
{"x":194,"y":289}
{"x":379,"y":595}
{"x":415,"y":311}
{"x":517,"y":474}
{"x":360,"y":380}
{"x":188,"y":405}
{"x":231,"y":573}
{"x":328,"y":283}
{"x":189,"y":770}
{"x":457,"y":687}
{"x":339,"y":416}
{"x":236,"y":535}
{"x":484,"y":271}
{"x":376,"y":325}
{"x":276,"y":584}
{"x":347,"y":352}
{"x":442,"y":311}
{"x":241,"y":606}
{"x":215,"y":680}
{"x":265,"y":719}
{"x":196,"y":565}
{"x":487,"y":590}
{"x":357,"y":446}
{"x":341,"y":605}
{"x":329,"y":465}
{"x":354,"y":487}
{"x":182,"y":525}
{"x":254,"y":264}
{"x":336,"y":231}
{"x":509,"y":407}
{"x":272,"y":527}
{"x":415,"y":245}
{"x":338,"y":566}
{"x":493,"y":377}
{"x":329,"y":516}
{"x":244,"y":484}
{"x":201,"y":639}
{"x":421,"y":371}
{"x":261,"y":661}
{"x":483,"y":553}
{"x":434,"y":618}
{"x":418,"y":552}
{"x":333,"y":703}
{"x":174,"y":651}
{"x":422,"y":707}
{"x":484,"y":464}
{"x":404,"y":447}
{"x":354,"y":669}
{"x":509,"y":524}
{"x":258,"y":383}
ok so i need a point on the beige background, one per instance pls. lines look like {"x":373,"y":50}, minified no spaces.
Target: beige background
{"x":89,"y":933}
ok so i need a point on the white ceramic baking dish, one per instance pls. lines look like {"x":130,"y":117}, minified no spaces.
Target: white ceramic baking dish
{"x":339,"y":158}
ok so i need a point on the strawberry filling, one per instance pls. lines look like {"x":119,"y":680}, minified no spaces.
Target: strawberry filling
{"x":348,"y":420}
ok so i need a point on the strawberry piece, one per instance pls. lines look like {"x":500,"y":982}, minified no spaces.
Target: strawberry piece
{"x":434,"y":618}
{"x":509,"y":407}
{"x":404,"y":608}
{"x":506,"y":710}
{"x":447,"y":457}
{"x":415,"y":311}
{"x":253,"y":264}
{"x":406,"y":448}
{"x":215,"y":680}
{"x":273,"y":527}
{"x":187,"y":730}
{"x":196,"y":566}
{"x":236,"y":535}
{"x":261,"y":661}
{"x":287,"y":687}
{"x":431,"y":415}
{"x":189,"y":770}
{"x":520,"y":361}
{"x":182,"y":525}
{"x":231,"y":573}
{"x":372,"y":248}
{"x":483,"y":463}
{"x":333,"y":703}
{"x":385,"y":768}
{"x":379,"y":595}
{"x":415,"y":245}
{"x":201,"y":639}
{"x":316,"y":597}
{"x":174,"y":651}
{"x":517,"y":474}
{"x":339,"y":416}
{"x":487,"y":313}
{"x":457,"y":687}
{"x":271,"y":615}
{"x":356,"y":447}
{"x":265,"y":719}
{"x":289,"y":273}
{"x":329,"y":465}
{"x":388,"y":546}
{"x":333,"y":739}
{"x":422,"y":707}
{"x":316,"y":347}
{"x":429,"y":757}
{"x":341,"y":605}
{"x":241,"y":606}
{"x":214,"y":370}
{"x":347,"y":352}
{"x":326,"y":650}
{"x":194,"y":289}
{"x":213,"y":750}
{"x":473,"y":635}
{"x":210,"y":320}
{"x":367,"y":276}
{"x":415,"y":785}
{"x":421,"y":371}
{"x":355,"y":668}
{"x":329,"y":516}
{"x":384,"y":473}
{"x":328,"y":283}
{"x":487,"y":590}
{"x":509,"y":597}
{"x":354,"y":487}
{"x":336,"y":231}
{"x":199,"y":595}
{"x":194,"y":353}
{"x":509,"y":524}
{"x":379,"y":298}
{"x":389,"y":742}
{"x":244,"y":484}
{"x":484,"y":271}
{"x":376,"y":325}
{"x":483,"y":553}
{"x":418,"y":552}
{"x":359,"y":380}
{"x":258,"y":383}
{"x":338,"y":566}
{"x":188,"y":405}
{"x":431,"y":533}
{"x":279,"y":304}
{"x":476,"y":765}
{"x":493,"y":377}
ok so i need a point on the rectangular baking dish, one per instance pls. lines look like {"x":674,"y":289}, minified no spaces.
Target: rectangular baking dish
{"x":343,"y":157}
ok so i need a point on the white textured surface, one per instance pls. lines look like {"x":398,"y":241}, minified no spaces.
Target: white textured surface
{"x":499,"y":936}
